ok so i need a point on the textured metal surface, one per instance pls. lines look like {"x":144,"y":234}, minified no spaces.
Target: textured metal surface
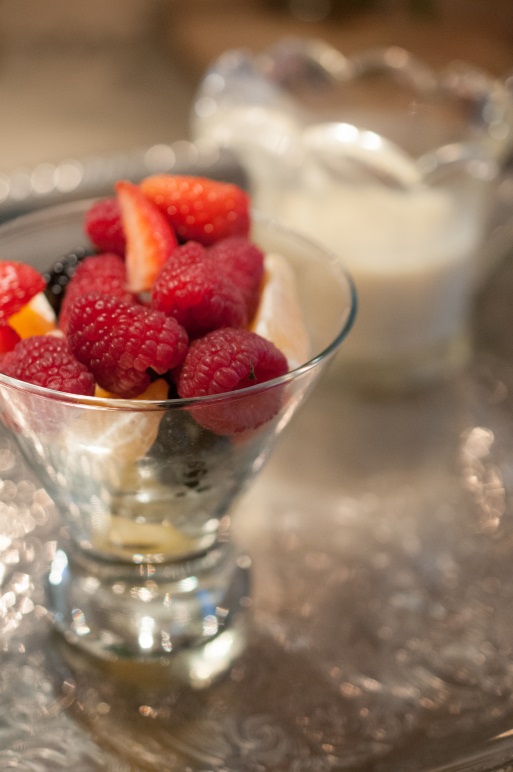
{"x":381,"y":537}
{"x":26,"y":189}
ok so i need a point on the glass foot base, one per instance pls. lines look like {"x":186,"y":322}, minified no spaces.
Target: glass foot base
{"x":186,"y":616}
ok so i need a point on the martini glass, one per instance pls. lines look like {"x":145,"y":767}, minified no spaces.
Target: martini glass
{"x":144,"y":568}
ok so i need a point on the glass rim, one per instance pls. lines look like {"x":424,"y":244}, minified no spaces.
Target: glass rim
{"x":40,"y":216}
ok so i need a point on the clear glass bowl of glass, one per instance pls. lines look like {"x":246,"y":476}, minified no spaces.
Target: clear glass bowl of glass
{"x":144,"y":568}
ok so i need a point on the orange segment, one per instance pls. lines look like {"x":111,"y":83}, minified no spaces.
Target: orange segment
{"x":278,"y":317}
{"x":35,"y":318}
{"x":121,"y":435}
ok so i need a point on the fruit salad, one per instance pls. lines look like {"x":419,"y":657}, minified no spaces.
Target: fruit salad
{"x":172,"y":299}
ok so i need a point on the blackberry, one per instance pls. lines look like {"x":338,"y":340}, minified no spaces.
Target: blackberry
{"x":180,"y":435}
{"x":189,"y":450}
{"x":59,"y":274}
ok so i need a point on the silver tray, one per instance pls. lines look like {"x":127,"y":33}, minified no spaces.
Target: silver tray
{"x":381,"y":630}
{"x":24,"y":189}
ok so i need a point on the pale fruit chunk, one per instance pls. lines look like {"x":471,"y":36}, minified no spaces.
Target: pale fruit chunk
{"x":122,"y":436}
{"x":37,"y":317}
{"x":278,"y":317}
{"x":124,"y":535}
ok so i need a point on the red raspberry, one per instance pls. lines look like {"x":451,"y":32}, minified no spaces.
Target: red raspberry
{"x":230,"y":360}
{"x":191,"y":289}
{"x":103,"y":225}
{"x":19,"y":283}
{"x":103,"y":273}
{"x":46,"y":360}
{"x":199,"y":209}
{"x":119,"y":342}
{"x":243,"y":262}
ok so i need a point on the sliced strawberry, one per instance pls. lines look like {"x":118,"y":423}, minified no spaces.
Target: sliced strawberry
{"x":200,"y":209}
{"x":8,"y":338}
{"x":18,"y":284}
{"x":150,"y":239}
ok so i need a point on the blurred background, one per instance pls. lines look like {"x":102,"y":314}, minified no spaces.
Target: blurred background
{"x":84,"y":79}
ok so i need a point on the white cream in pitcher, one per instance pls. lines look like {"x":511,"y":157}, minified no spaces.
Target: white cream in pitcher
{"x":411,"y":255}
